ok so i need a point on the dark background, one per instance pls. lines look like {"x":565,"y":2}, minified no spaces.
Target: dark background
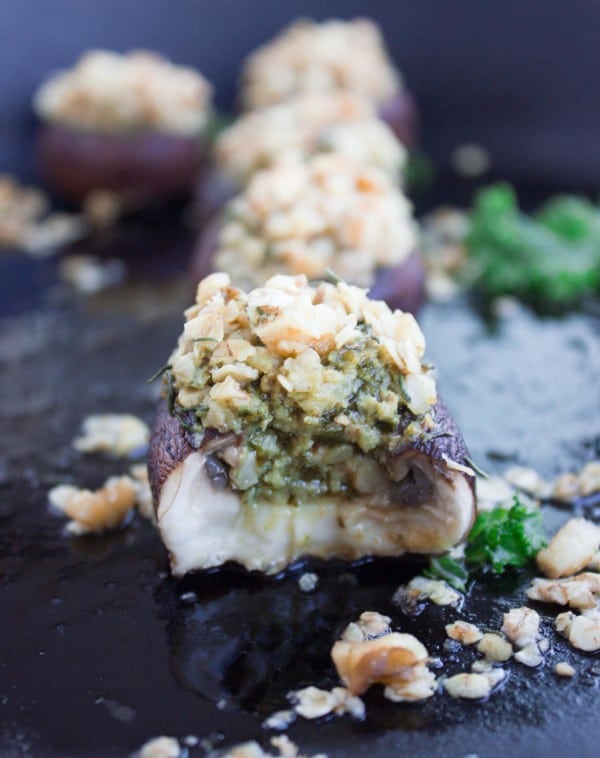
{"x":519,"y":77}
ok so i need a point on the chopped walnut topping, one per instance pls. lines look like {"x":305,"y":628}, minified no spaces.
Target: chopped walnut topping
{"x":391,"y":660}
{"x":494,"y":647}
{"x":313,"y":703}
{"x":580,"y":591}
{"x":329,"y":212}
{"x":570,"y":486}
{"x":530,"y":655}
{"x":279,"y":720}
{"x":331,"y":56}
{"x":119,"y":434}
{"x":522,"y":626}
{"x":420,"y":588}
{"x":420,"y":686}
{"x":463,"y":632}
{"x":24,"y":223}
{"x":370,"y":624}
{"x":563,"y":668}
{"x":160,"y":747}
{"x":571,"y":548}
{"x":112,"y":93}
{"x":589,"y":478}
{"x":304,"y":126}
{"x":473,"y":686}
{"x":583,"y":632}
{"x":89,"y":274}
{"x":97,"y":511}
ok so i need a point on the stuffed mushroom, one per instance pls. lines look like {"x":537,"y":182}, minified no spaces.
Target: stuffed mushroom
{"x":332,"y":56}
{"x":307,"y":217}
{"x":297,"y":129}
{"x":134,"y":124}
{"x":300,"y":420}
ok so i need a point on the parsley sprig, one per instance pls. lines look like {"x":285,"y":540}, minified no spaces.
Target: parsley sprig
{"x":499,"y":538}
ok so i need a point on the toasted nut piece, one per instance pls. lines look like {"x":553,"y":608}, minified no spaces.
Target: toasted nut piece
{"x":522,"y":626}
{"x":313,"y":703}
{"x":97,"y":511}
{"x":530,"y":655}
{"x":463,"y":632}
{"x":563,"y":668}
{"x":473,"y":686}
{"x":420,"y":687}
{"x":117,"y":433}
{"x":528,"y":480}
{"x":579,"y":591}
{"x":436,"y":590}
{"x":383,"y":660}
{"x":589,"y":478}
{"x":370,"y":624}
{"x":571,"y":548}
{"x":494,"y":647}
{"x":160,"y":747}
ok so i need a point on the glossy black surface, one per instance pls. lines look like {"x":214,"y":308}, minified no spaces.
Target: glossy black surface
{"x":100,"y":649}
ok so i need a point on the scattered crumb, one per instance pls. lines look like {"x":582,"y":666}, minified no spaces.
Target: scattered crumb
{"x":571,"y":549}
{"x":89,"y":274}
{"x":528,"y":480}
{"x":571,"y":486}
{"x":470,"y":160}
{"x":494,"y":647}
{"x":522,"y":626}
{"x":473,"y":686}
{"x":308,"y":582}
{"x":589,"y":478}
{"x":421,"y":686}
{"x":420,"y":588}
{"x":24,"y":222}
{"x":482,"y":666}
{"x":463,"y":632}
{"x":583,"y":632}
{"x":279,"y":720}
{"x":563,"y":668}
{"x":530,"y":655}
{"x":493,"y":492}
{"x":120,"y":434}
{"x":313,"y":703}
{"x":98,"y":511}
{"x":580,"y":591}
{"x":370,"y":624}
{"x":160,"y":747}
{"x":396,"y":660}
{"x":566,"y":487}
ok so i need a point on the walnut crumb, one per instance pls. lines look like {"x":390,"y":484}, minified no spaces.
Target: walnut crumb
{"x":119,"y":434}
{"x":494,"y":647}
{"x":571,"y":549}
{"x":308,"y":581}
{"x":580,"y":591}
{"x":463,"y":632}
{"x":98,"y":511}
{"x":563,"y":668}
{"x":522,"y":626}
{"x":473,"y":686}
{"x":314,"y":703}
{"x":160,"y":747}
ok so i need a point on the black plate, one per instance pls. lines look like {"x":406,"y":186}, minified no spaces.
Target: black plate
{"x":100,"y":649}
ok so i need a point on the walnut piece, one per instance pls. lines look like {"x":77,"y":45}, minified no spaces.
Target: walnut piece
{"x":119,"y":434}
{"x":463,"y":632}
{"x":473,"y":686}
{"x":571,"y":548}
{"x":583,"y":632}
{"x":494,"y":647}
{"x":522,"y":626}
{"x":160,"y":747}
{"x":98,"y":511}
{"x":580,"y":591}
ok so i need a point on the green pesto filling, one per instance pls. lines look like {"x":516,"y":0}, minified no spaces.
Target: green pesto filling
{"x":290,"y":456}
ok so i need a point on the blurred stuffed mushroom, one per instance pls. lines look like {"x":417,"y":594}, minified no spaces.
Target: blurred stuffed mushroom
{"x":331,"y":56}
{"x":328,"y":213}
{"x":297,"y":129}
{"x":133,"y":124}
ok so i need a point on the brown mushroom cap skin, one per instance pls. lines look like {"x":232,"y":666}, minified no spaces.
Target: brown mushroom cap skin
{"x":400,"y":113}
{"x":139,"y":167}
{"x":402,"y":286}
